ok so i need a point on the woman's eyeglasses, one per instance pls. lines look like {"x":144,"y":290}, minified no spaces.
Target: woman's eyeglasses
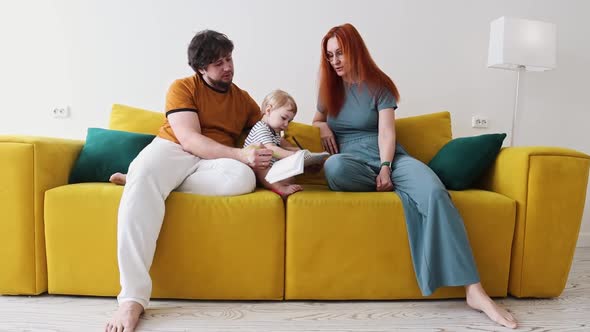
{"x":332,"y":56}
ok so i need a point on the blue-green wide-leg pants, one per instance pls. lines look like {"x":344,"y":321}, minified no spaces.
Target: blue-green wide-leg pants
{"x":438,"y":242}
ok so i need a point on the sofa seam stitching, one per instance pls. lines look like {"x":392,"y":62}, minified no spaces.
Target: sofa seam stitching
{"x":522,"y":260}
{"x":35,"y":216}
{"x":284,"y":250}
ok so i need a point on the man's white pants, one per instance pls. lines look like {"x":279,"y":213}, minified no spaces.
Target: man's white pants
{"x":160,"y":168}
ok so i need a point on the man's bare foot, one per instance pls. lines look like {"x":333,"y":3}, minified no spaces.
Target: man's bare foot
{"x":478,"y":299}
{"x":119,"y":178}
{"x":126,"y":317}
{"x":286,"y":189}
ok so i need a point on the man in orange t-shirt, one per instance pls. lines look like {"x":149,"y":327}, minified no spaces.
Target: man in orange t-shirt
{"x":194,"y":152}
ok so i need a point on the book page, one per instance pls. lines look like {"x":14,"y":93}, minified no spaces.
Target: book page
{"x":286,"y":167}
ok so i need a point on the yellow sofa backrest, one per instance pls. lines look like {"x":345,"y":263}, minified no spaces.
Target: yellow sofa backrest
{"x":421,"y":135}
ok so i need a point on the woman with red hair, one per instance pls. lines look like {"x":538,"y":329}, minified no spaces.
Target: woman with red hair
{"x":355,"y":115}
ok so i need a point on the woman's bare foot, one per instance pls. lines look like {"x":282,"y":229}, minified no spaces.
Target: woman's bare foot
{"x":119,"y":178}
{"x":286,"y":189}
{"x":126,"y":317}
{"x":478,"y":299}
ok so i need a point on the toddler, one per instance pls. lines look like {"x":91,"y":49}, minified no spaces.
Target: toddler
{"x":278,"y":110}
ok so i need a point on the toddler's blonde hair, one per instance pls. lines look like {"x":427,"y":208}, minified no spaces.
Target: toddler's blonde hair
{"x":276,"y":99}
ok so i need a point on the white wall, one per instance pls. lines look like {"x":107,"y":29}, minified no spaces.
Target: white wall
{"x":90,"y":54}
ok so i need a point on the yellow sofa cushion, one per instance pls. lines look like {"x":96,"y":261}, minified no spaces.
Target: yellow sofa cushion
{"x":137,"y":120}
{"x":424,"y":135}
{"x":209,"y":247}
{"x":343,"y":246}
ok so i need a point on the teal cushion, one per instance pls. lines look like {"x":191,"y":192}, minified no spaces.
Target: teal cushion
{"x":106,"y":152}
{"x":461,"y":161}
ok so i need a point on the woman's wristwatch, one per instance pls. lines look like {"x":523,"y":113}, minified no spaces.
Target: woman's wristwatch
{"x":388,"y":164}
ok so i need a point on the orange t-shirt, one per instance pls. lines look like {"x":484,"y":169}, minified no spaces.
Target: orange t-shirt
{"x":222,"y":115}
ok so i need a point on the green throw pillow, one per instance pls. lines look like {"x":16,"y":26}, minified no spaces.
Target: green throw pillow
{"x":461,"y":161}
{"x":106,"y":152}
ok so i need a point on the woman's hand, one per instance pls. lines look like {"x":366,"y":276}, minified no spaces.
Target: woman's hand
{"x":384,"y":179}
{"x":328,"y":139}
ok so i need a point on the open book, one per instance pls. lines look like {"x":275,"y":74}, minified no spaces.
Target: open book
{"x":294,"y":164}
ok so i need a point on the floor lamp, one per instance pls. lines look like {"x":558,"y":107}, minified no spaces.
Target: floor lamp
{"x":521,"y":45}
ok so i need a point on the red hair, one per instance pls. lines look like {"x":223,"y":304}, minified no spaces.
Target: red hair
{"x":358,"y":65}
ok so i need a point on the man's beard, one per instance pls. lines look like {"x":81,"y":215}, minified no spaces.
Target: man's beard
{"x":220,"y":85}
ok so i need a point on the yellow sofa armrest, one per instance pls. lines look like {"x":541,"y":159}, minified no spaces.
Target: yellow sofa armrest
{"x":29,"y":166}
{"x":549,"y":186}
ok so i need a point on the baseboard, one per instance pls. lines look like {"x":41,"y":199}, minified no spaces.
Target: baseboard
{"x":584,"y":240}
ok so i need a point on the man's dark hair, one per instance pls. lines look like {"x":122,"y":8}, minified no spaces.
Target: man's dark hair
{"x":206,"y":47}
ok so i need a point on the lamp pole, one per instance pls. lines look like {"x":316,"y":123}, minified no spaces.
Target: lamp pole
{"x":519,"y":70}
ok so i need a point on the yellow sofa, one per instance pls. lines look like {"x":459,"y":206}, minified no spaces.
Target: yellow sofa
{"x":522,"y":223}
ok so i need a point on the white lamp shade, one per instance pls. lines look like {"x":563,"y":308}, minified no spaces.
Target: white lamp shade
{"x":519,"y":43}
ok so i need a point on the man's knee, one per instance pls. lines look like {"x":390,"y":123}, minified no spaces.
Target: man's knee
{"x":220,"y":177}
{"x":239,"y":179}
{"x":234,"y":178}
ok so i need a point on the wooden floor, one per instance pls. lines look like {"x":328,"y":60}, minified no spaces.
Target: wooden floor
{"x":569,"y":312}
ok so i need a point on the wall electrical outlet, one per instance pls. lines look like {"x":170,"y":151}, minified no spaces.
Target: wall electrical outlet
{"x":60,"y":112}
{"x":479,"y":122}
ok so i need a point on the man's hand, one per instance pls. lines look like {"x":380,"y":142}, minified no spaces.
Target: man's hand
{"x":256,"y":156}
{"x":384,"y":179}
